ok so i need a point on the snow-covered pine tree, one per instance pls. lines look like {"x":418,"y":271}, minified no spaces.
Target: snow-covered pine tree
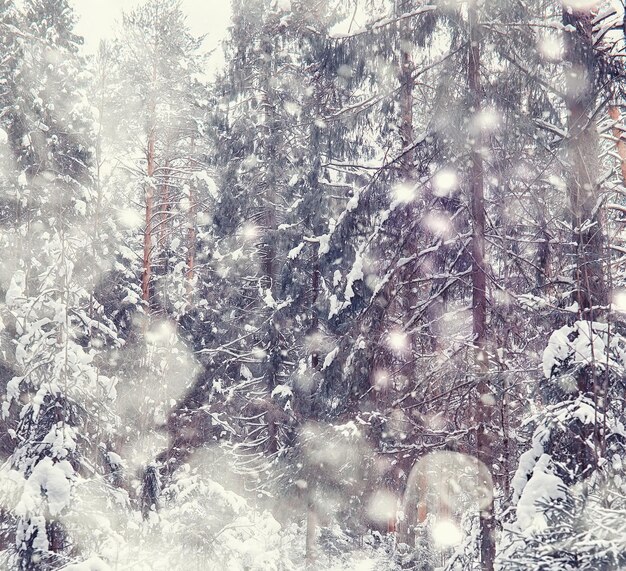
{"x":270,"y":125}
{"x":568,"y":490}
{"x":429,"y":245}
{"x":152,"y":148}
{"x":160,"y":66}
{"x":57,"y":403}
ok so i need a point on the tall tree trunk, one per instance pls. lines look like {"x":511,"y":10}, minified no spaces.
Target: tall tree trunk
{"x":583,"y":157}
{"x":584,"y":163}
{"x":268,"y":246}
{"x":191,"y":235}
{"x":486,"y":401}
{"x":165,"y":201}
{"x":305,"y":397}
{"x":102,"y":84}
{"x":147,"y":237}
{"x":191,"y":245}
{"x":149,"y":196}
{"x":407,"y":85}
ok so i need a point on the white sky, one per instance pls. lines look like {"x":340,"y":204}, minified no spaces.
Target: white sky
{"x":97,"y":19}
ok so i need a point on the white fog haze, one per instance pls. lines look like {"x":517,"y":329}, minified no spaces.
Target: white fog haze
{"x":310,"y":285}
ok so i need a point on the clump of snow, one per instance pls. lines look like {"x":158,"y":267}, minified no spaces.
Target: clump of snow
{"x":355,"y":274}
{"x":49,"y":480}
{"x":543,"y":488}
{"x":328,"y":361}
{"x":529,"y":301}
{"x":61,"y":440}
{"x":282,"y":391}
{"x":335,"y":306}
{"x":336,"y":278}
{"x":583,"y":343}
{"x":15,"y":293}
{"x":525,"y":468}
{"x":557,"y":350}
{"x":208,"y":181}
{"x":353,"y":202}
{"x":295,"y":252}
{"x":115,"y":459}
{"x":324,"y":242}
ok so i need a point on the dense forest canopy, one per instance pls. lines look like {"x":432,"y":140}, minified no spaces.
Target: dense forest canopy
{"x":356,"y":300}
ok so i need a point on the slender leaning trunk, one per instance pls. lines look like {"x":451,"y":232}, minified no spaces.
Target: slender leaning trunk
{"x":191,"y":235}
{"x":485,"y":402}
{"x":583,"y":162}
{"x":149,"y":197}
